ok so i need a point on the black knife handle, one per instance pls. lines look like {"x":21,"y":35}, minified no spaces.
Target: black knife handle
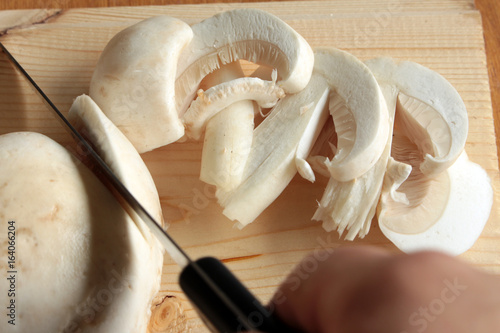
{"x":223,"y":302}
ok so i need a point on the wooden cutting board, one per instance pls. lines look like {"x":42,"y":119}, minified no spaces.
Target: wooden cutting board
{"x":60,"y":49}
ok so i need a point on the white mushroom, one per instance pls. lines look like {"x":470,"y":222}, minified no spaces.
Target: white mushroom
{"x":279,"y":148}
{"x":430,"y":108}
{"x":428,"y":200}
{"x":351,"y":205}
{"x":358,"y":110}
{"x":362,"y":123}
{"x":227,"y":144}
{"x":133,"y":82}
{"x":218,"y":43}
{"x":249,"y":34}
{"x":447,"y":214}
{"x":80,"y":259}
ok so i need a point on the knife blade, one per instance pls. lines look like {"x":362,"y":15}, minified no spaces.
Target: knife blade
{"x":223,"y":302}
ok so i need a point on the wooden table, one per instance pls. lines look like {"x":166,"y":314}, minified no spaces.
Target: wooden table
{"x":261,"y":254}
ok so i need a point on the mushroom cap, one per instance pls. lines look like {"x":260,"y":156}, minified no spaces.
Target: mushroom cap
{"x":359,"y":113}
{"x":80,"y":259}
{"x":249,"y":34}
{"x":429,"y":107}
{"x":133,"y":82}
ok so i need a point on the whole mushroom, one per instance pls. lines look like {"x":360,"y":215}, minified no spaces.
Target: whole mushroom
{"x":80,"y":257}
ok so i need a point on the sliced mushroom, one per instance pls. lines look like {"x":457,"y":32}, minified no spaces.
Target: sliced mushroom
{"x":351,"y":205}
{"x":279,"y":148}
{"x":444,"y":213}
{"x":80,"y":258}
{"x":133,"y":82}
{"x":249,"y":34}
{"x":362,"y":123}
{"x":358,"y":110}
{"x":429,"y":200}
{"x":223,"y":107}
{"x":430,"y":108}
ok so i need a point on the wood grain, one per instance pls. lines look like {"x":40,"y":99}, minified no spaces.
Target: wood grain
{"x":60,"y":49}
{"x":490,"y":12}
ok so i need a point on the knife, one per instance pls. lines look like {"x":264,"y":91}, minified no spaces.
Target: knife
{"x":223,"y":302}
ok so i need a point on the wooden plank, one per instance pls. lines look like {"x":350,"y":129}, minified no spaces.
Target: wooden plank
{"x":446,"y":36}
{"x":490,"y":11}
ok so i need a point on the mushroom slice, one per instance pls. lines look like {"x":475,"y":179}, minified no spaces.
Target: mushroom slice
{"x":82,"y":260}
{"x":446,"y":212}
{"x":284,"y":137}
{"x":429,"y":108}
{"x":351,"y":205}
{"x":248,"y":34}
{"x":429,"y":201}
{"x":358,"y":110}
{"x":133,"y":82}
{"x":119,"y":154}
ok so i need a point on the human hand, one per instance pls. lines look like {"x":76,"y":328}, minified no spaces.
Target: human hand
{"x":365,"y":289}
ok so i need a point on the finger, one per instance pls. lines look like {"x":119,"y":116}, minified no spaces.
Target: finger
{"x":322,"y":276}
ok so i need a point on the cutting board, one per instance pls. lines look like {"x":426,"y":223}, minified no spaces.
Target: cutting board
{"x":60,"y":49}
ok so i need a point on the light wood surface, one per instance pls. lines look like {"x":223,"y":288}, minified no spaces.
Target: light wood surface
{"x":490,"y":12}
{"x":60,"y":49}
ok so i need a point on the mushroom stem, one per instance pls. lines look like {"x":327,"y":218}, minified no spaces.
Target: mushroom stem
{"x":277,"y":143}
{"x":228,"y":135}
{"x":228,"y":139}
